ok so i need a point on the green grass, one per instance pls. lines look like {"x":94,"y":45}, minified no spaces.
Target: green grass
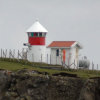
{"x":14,"y":65}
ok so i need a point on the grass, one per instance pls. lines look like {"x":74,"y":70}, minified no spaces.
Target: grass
{"x":14,"y":65}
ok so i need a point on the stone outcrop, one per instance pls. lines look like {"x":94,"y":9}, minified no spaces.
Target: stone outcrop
{"x":34,"y":85}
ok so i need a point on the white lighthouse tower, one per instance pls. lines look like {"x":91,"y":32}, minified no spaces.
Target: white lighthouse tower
{"x":36,"y":43}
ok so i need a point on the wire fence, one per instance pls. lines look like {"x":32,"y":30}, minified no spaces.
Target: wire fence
{"x":14,"y":54}
{"x":22,"y":54}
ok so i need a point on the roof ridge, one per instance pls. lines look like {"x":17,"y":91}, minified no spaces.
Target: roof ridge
{"x":63,"y":41}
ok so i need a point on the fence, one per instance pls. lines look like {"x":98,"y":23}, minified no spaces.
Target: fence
{"x":14,"y":54}
{"x":22,"y":54}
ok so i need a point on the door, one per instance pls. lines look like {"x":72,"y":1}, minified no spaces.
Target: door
{"x":64,"y":55}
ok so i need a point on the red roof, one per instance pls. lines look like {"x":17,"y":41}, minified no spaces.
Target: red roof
{"x":61,"y":44}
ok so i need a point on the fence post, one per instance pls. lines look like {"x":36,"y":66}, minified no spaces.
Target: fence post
{"x":13,"y":53}
{"x":22,"y":53}
{"x":18,"y":54}
{"x":41,"y":58}
{"x":47,"y":58}
{"x":74,"y":63}
{"x":32,"y":57}
{"x":97,"y":66}
{"x":5,"y":53}
{"x":68,"y":60}
{"x":1,"y":53}
{"x":56,"y":59}
{"x":26,"y":53}
{"x":50,"y":58}
{"x":9,"y":53}
{"x":92,"y":66}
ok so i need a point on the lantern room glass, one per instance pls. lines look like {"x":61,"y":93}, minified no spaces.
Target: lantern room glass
{"x":36,"y":34}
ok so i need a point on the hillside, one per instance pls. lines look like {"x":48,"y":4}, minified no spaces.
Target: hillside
{"x":15,"y":65}
{"x":32,"y":85}
{"x":23,"y":81}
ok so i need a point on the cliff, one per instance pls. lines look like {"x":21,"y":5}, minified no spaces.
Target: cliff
{"x":32,"y":85}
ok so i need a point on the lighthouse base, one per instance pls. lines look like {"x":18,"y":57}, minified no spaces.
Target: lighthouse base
{"x":36,"y":54}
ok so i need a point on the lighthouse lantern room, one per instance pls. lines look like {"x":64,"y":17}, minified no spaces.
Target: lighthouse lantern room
{"x":36,"y":43}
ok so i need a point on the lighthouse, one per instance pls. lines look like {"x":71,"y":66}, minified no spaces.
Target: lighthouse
{"x":36,"y":43}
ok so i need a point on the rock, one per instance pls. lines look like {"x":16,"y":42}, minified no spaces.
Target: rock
{"x":21,"y":86}
{"x":65,"y":74}
{"x":13,"y":94}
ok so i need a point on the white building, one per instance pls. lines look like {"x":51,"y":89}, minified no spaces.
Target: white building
{"x":65,"y":52}
{"x":62,"y":52}
{"x":36,"y":43}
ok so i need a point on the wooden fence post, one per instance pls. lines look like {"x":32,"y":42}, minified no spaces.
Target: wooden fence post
{"x":97,"y":66}
{"x":13,"y":53}
{"x":33,"y":57}
{"x":56,"y":59}
{"x":50,"y":58}
{"x":1,"y":53}
{"x":92,"y":66}
{"x":47,"y":58}
{"x":18,"y":54}
{"x":41,"y":58}
{"x":4,"y":53}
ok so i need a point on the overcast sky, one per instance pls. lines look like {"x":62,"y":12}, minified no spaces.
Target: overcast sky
{"x":65,"y":20}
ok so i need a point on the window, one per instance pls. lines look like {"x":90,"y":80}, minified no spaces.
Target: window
{"x":36,"y":34}
{"x":57,"y":52}
{"x":29,"y":34}
{"x":44,"y":34}
{"x":32,"y":34}
{"x":40,"y":34}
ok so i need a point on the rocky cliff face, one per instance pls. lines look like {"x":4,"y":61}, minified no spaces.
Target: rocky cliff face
{"x":24,"y":85}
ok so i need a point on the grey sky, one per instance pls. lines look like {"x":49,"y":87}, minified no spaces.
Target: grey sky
{"x":64,"y":19}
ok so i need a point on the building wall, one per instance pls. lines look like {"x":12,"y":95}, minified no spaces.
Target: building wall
{"x":71,"y":57}
{"x":39,"y":54}
{"x":58,"y":59}
{"x":37,"y":40}
{"x":36,"y":54}
{"x":55,"y":59}
{"x":67,"y":61}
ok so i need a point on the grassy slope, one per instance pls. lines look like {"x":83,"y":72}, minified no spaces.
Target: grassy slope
{"x":13,"y":66}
